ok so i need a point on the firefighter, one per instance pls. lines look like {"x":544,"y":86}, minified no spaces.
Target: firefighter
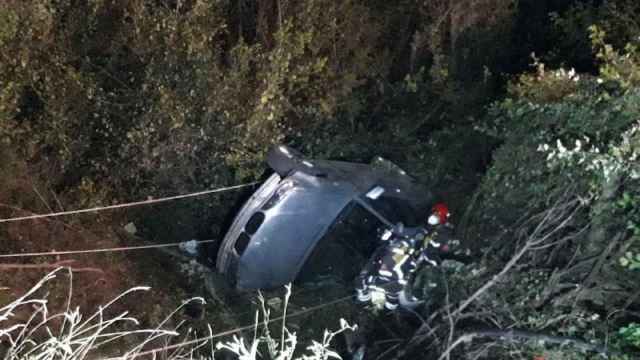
{"x":440,"y":227}
{"x":384,"y":279}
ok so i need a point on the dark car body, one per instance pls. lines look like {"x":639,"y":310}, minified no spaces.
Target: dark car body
{"x":305,"y":201}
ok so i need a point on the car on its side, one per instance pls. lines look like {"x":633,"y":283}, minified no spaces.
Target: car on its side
{"x":313,"y":219}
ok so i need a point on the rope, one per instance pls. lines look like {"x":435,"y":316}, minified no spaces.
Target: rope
{"x":92,"y":251}
{"x":126,"y":205}
{"x":231,"y":331}
{"x":127,"y":248}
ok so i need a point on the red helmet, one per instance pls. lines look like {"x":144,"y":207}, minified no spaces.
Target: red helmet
{"x":441,"y":211}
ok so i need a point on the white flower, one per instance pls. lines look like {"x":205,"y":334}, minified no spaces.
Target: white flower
{"x":545,"y":147}
{"x":551,"y":155}
{"x":561,"y":147}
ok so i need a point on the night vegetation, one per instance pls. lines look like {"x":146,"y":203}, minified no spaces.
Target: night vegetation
{"x":523,"y":115}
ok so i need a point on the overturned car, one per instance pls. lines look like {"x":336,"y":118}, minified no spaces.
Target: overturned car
{"x":316,"y":219}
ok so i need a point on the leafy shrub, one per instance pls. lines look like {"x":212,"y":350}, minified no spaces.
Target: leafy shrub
{"x":116,"y":101}
{"x":544,"y":86}
{"x":572,"y":35}
{"x":565,"y":133}
{"x":622,"y":69}
{"x":631,"y":334}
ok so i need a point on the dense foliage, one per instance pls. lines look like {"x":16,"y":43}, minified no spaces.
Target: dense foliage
{"x":115,"y":100}
{"x":104,"y":101}
{"x":564,"y":133}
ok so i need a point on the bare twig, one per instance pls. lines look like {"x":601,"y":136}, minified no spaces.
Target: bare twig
{"x":462,"y":339}
{"x":602,"y":258}
{"x":535,"y":239}
{"x":563,"y":240}
{"x":452,"y":324}
{"x":526,"y":336}
{"x":35,"y":189}
{"x":55,"y":197}
{"x":389,"y":350}
{"x":537,"y":231}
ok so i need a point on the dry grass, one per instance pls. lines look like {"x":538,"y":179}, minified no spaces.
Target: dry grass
{"x":71,"y":335}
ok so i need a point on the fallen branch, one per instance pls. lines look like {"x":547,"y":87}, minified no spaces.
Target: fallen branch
{"x":521,"y":336}
{"x":533,"y":241}
{"x":549,"y":223}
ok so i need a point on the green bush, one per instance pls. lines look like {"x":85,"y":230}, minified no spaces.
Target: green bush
{"x":631,"y":334}
{"x":565,"y":133}
{"x":115,"y":102}
{"x":572,"y":37}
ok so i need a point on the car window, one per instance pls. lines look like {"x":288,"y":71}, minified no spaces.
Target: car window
{"x":395,"y":210}
{"x":345,"y":248}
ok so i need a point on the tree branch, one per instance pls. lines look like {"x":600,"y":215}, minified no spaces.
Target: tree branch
{"x":525,"y":336}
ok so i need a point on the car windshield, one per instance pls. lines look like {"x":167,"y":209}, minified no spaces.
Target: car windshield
{"x":345,"y":248}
